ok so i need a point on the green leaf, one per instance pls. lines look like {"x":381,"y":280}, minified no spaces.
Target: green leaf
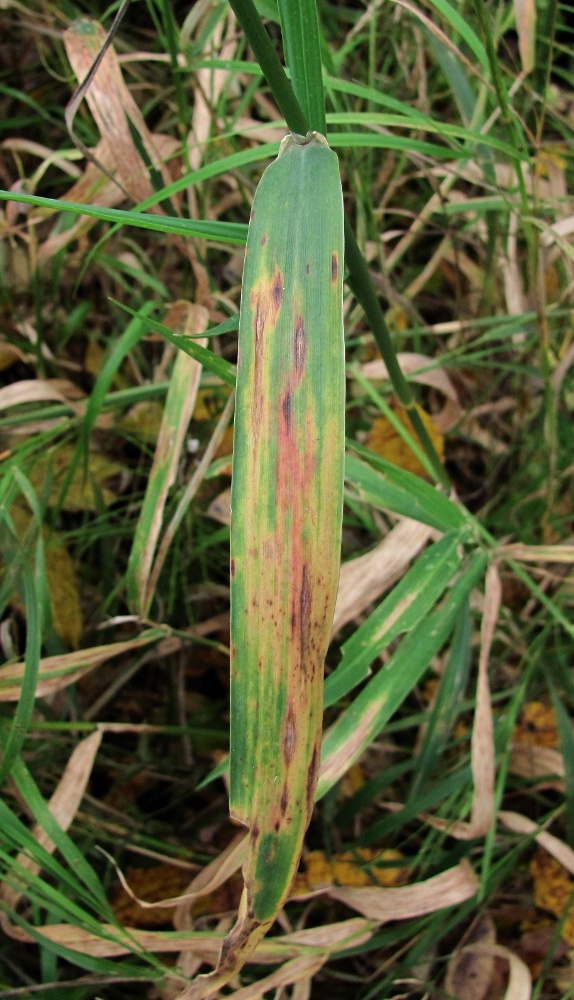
{"x":390,"y":488}
{"x":361,"y":723}
{"x":401,"y":611}
{"x":302,"y":45}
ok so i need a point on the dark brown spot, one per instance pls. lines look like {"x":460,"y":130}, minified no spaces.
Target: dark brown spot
{"x":287,"y":409}
{"x":254,"y":832}
{"x":304,"y":609}
{"x":312,"y":778}
{"x":259,"y":325}
{"x":289,"y":737}
{"x":307,"y":268}
{"x":334,"y":266}
{"x":300,"y":346}
{"x":264,"y":239}
{"x":277,"y":289}
{"x":232,"y":567}
{"x":284,"y":800}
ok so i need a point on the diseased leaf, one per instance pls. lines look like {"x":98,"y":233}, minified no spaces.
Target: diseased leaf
{"x":287,"y":493}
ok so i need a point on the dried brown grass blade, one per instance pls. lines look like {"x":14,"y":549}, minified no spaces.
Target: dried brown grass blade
{"x":40,"y":391}
{"x":556,"y":847}
{"x":364,"y":579}
{"x":537,"y":762}
{"x":113,"y":108}
{"x":482,"y":743}
{"x":57,"y":672}
{"x":446,"y":889}
{"x":537,"y":553}
{"x":208,"y":880}
{"x":205,"y":946}
{"x":294,"y":971}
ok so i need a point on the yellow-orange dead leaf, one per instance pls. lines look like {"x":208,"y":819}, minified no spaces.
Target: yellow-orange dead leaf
{"x":359,"y":869}
{"x":537,"y":725}
{"x":554,"y":891}
{"x":385,"y":440}
{"x":165,"y":881}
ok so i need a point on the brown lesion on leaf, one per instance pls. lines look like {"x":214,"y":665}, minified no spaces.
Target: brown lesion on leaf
{"x":264,"y":239}
{"x":277,"y":290}
{"x":232,"y":567}
{"x":312,"y":775}
{"x":334,"y":266}
{"x":289,"y":736}
{"x":304,"y":610}
{"x":300,"y":346}
{"x":284,"y":803}
{"x":286,"y":408}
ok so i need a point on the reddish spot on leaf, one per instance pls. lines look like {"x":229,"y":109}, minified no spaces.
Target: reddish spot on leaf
{"x":334,"y":266}
{"x":286,"y":407}
{"x":277,"y":290}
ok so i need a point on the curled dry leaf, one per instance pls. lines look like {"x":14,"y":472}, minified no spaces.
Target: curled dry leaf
{"x":446,"y":889}
{"x":519,"y":982}
{"x":41,"y":391}
{"x":470,"y":971}
{"x":555,"y":847}
{"x":295,"y":971}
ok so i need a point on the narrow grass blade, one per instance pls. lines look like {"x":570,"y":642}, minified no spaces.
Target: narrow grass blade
{"x":355,"y":729}
{"x":302,"y":45}
{"x":179,"y":406}
{"x":391,"y":488}
{"x":400,"y":612}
